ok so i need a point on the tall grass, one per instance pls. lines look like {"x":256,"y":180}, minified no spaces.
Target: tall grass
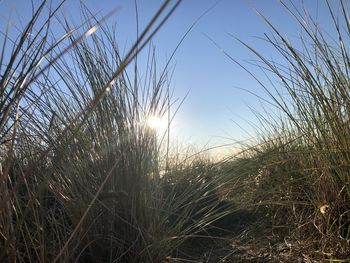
{"x":114,"y":153}
{"x":302,"y":163}
{"x":77,"y":161}
{"x":80,"y":179}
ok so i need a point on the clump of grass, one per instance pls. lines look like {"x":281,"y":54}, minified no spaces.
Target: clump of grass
{"x":302,"y":162}
{"x":78,"y":165}
{"x":198,"y":211}
{"x":114,"y":154}
{"x":80,"y":177}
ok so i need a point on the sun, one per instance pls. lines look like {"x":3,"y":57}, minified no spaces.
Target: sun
{"x":156,"y":123}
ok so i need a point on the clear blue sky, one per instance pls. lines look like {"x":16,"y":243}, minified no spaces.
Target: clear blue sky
{"x":201,"y":68}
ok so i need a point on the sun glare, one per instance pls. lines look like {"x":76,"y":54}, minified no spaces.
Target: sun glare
{"x":156,"y":123}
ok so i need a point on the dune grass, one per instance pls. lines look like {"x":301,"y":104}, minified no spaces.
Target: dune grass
{"x":85,"y":179}
{"x":299,"y":169}
{"x":80,"y":179}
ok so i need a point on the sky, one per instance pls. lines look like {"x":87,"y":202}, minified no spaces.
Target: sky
{"x":216,"y":110}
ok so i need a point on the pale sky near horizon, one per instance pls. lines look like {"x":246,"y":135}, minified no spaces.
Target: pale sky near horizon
{"x":215,"y":102}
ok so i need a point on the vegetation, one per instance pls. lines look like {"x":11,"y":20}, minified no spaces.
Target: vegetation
{"x":80,"y":167}
{"x":83,"y":178}
{"x":301,"y":162}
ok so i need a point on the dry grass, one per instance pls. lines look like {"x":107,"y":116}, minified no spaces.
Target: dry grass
{"x":299,"y":170}
{"x":80,"y":169}
{"x":80,"y":178}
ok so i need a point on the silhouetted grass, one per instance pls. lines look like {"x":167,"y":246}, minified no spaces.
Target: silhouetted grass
{"x":80,"y":179}
{"x":299,"y":171}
